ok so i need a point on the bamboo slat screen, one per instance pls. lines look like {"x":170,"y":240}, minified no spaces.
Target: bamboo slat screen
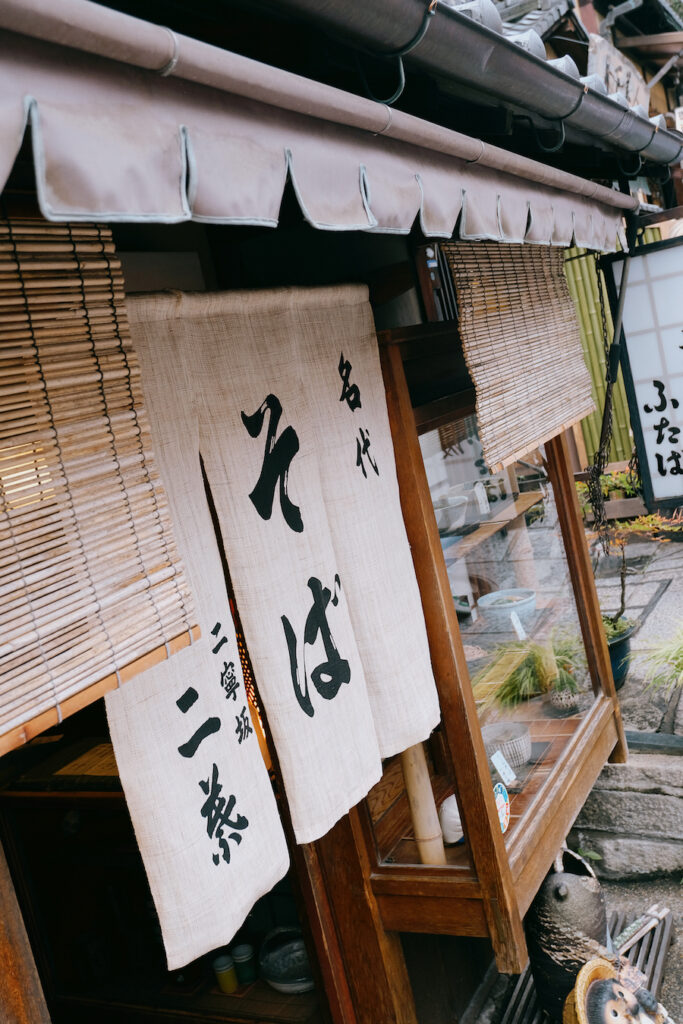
{"x":521,"y":341}
{"x":91,"y":588}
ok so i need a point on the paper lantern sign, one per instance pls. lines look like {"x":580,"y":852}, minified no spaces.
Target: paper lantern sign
{"x":652,"y":360}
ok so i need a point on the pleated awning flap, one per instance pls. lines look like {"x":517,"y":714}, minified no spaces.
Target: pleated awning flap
{"x":520,"y":336}
{"x":117,"y":143}
{"x":92,"y":589}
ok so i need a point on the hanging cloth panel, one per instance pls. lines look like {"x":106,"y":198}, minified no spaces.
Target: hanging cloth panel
{"x":116,"y":143}
{"x":313,"y":534}
{"x":186,"y":745}
{"x":520,"y":336}
{"x":92,"y":586}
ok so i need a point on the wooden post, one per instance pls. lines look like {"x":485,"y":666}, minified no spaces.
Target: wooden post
{"x":459,"y":713}
{"x":373,"y":959}
{"x":21,"y":994}
{"x":583,"y":582}
{"x":423,"y":810}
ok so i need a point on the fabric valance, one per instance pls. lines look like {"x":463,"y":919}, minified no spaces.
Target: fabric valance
{"x":118,"y":143}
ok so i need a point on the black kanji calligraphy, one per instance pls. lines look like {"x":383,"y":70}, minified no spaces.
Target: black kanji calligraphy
{"x":674,"y":458}
{"x":329,"y":675}
{"x":277,"y":459}
{"x":661,"y":394}
{"x":210,"y":726}
{"x":218,"y":813}
{"x":350,"y":392}
{"x":229,"y":680}
{"x":363,"y":452}
{"x":244,"y":726}
{"x":661,"y":430}
{"x":223,"y":640}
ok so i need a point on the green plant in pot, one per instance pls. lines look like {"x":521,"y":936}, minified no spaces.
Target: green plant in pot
{"x":524,"y":669}
{"x":619,"y":629}
{"x":568,"y":654}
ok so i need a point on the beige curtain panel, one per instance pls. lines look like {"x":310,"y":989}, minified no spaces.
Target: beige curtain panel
{"x":185,"y":738}
{"x":92,"y":588}
{"x":118,"y":143}
{"x":521,"y":340}
{"x":293,"y":430}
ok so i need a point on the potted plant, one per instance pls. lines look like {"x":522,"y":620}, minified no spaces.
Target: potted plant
{"x":568,"y":653}
{"x":620,"y":493}
{"x":619,"y":629}
{"x":523,"y":669}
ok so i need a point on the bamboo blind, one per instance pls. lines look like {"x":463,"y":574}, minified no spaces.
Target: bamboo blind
{"x":521,"y":341}
{"x":91,"y":589}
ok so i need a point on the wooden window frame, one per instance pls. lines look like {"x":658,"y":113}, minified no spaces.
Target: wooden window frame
{"x":491,"y":897}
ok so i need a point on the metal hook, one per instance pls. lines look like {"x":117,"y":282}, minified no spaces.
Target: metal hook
{"x":634,"y":173}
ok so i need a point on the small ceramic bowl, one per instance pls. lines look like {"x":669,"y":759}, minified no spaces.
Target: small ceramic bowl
{"x":500,"y":604}
{"x":283,"y":961}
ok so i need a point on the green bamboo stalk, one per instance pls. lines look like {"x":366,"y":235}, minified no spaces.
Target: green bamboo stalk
{"x":575,"y":275}
{"x":583,"y":286}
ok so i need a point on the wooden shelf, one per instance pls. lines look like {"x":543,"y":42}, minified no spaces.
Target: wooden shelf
{"x":253,"y":1003}
{"x":503,"y":518}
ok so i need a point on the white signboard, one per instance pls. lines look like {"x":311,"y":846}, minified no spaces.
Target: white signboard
{"x":617,"y":72}
{"x":653,"y":365}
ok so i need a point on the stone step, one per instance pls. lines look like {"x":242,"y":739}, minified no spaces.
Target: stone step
{"x":631,"y":825}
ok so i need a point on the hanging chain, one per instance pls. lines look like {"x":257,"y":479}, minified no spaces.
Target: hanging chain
{"x":601,"y":457}
{"x":603,"y":308}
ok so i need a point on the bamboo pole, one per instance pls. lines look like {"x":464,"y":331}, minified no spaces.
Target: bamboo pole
{"x":423,"y":810}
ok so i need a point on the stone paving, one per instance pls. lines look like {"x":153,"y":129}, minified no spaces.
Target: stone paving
{"x":656,"y":566}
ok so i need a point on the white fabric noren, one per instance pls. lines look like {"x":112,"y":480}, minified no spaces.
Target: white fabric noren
{"x":321,"y":567}
{"x":201,"y":896}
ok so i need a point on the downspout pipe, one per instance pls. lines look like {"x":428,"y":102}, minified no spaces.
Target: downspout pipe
{"x":80,"y":24}
{"x":464,"y":50}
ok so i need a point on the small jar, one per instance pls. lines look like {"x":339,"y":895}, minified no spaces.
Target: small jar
{"x":245,"y":963}
{"x":226,"y":975}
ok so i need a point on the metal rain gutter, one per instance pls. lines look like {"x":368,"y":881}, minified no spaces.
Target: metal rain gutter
{"x":464,"y":50}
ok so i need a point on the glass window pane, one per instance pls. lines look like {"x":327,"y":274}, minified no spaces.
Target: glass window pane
{"x":510,"y":584}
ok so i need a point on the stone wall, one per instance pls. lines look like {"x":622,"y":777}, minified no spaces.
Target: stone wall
{"x":633,"y":818}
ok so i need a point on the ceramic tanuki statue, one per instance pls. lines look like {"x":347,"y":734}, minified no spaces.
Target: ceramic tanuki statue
{"x":609,"y":992}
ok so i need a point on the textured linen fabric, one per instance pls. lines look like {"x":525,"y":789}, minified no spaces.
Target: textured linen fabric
{"x":201,"y":896}
{"x":323,"y":577}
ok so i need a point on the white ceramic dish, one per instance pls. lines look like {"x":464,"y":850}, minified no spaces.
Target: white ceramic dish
{"x":500,"y":604}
